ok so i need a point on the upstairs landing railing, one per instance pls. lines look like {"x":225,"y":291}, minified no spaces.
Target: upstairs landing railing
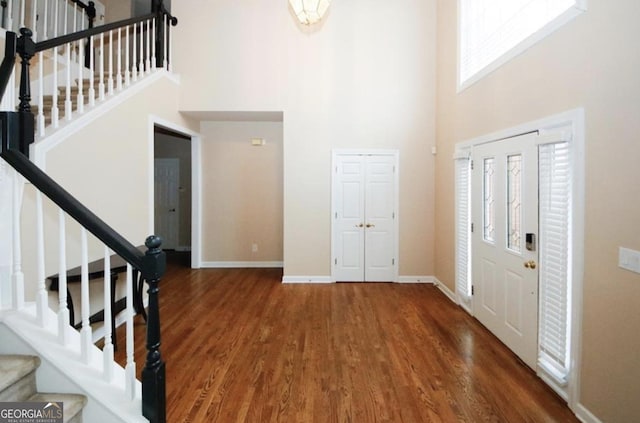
{"x":70,"y":72}
{"x":16,"y":135}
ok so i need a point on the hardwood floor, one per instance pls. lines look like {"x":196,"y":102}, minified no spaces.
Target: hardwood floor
{"x":242,"y":347}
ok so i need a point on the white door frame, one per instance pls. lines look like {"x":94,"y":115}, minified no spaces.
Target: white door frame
{"x":196,"y":183}
{"x":573,"y":123}
{"x":335,"y":153}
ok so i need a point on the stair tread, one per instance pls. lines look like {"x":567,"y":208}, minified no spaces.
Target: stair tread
{"x":15,"y":367}
{"x":72,"y":404}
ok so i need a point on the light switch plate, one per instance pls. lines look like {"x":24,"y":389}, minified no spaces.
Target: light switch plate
{"x":629,"y":259}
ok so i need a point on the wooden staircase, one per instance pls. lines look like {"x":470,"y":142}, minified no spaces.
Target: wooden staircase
{"x":62,"y":98}
{"x":18,"y":384}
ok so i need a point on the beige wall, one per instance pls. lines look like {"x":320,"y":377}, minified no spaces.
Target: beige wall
{"x":592,"y":63}
{"x":242,"y":192}
{"x":362,"y":79}
{"x":106,"y":165}
{"x":116,"y":10}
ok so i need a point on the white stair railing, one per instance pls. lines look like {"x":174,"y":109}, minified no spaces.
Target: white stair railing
{"x":41,"y":15}
{"x":68,"y":85}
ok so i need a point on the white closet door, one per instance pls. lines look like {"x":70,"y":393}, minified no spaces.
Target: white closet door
{"x":364,"y":218}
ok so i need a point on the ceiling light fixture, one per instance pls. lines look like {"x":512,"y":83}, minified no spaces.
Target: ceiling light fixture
{"x":309,"y":12}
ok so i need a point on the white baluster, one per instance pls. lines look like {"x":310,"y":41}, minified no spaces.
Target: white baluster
{"x":147,"y":53}
{"x":74,"y":53}
{"x":55,"y":18}
{"x":101,"y":68}
{"x":141,"y":52}
{"x":45,"y":26}
{"x":107,"y":350}
{"x":92,"y":73}
{"x":17,"y":278}
{"x":127,"y":73}
{"x":131,"y":364}
{"x":153,"y":45}
{"x":65,"y":7}
{"x":68,"y":105}
{"x":85,"y":332}
{"x":80,"y":80}
{"x":165,"y":34}
{"x":134,"y":70}
{"x":42,"y":300}
{"x":63,"y":311}
{"x":41,"y":119}
{"x":22,"y":13}
{"x":119,"y":62}
{"x":10,"y":16}
{"x":110,"y":80}
{"x":34,"y":19}
{"x":54,"y":106}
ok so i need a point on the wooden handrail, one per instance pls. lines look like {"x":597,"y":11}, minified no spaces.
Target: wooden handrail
{"x":80,"y":35}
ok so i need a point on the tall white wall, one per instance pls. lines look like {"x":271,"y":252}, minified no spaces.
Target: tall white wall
{"x":363,"y":78}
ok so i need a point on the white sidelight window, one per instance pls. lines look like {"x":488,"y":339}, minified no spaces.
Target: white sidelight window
{"x":463,"y":228}
{"x":491,"y":32}
{"x":555,"y":259}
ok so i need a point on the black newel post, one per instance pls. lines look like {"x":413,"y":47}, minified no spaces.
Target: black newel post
{"x":26,"y":50}
{"x":157,"y":7}
{"x":4,"y":13}
{"x":90,"y":10}
{"x":154,"y":405}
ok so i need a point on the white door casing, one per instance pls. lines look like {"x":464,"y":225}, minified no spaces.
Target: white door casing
{"x":504,"y":265}
{"x":166,"y":187}
{"x":364,"y":216}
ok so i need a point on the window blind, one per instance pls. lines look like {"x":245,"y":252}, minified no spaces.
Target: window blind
{"x":463,"y":229}
{"x":555,"y":253}
{"x":490,"y":28}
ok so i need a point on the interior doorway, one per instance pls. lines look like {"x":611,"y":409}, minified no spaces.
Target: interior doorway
{"x":173,"y":193}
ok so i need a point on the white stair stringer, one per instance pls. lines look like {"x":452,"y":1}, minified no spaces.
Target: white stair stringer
{"x":55,"y":136}
{"x":62,"y":368}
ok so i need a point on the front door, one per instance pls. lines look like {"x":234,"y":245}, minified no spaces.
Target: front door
{"x":505,"y":228}
{"x":364,"y":225}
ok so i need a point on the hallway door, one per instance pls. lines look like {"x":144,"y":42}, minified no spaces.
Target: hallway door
{"x":166,"y":208}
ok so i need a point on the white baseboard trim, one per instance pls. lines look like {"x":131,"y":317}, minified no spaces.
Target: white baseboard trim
{"x":445,"y":290}
{"x":240,"y":264}
{"x":415,"y":279}
{"x":307,"y":279}
{"x":584,"y":415}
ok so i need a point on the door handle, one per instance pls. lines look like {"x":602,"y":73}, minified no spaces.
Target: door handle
{"x":172,"y":210}
{"x":531,"y":264}
{"x":369,"y":225}
{"x":360,"y":225}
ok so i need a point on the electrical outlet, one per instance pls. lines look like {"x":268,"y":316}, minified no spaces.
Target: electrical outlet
{"x":254,"y":248}
{"x":629,"y":259}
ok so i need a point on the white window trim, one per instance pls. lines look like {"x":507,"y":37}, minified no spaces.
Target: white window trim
{"x":548,"y":29}
{"x":573,"y":119}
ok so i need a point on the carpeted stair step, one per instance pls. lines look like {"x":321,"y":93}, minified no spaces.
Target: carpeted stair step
{"x":18,"y":384}
{"x":17,"y":377}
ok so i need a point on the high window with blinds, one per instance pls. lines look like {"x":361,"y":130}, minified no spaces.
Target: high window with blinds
{"x":491,"y":32}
